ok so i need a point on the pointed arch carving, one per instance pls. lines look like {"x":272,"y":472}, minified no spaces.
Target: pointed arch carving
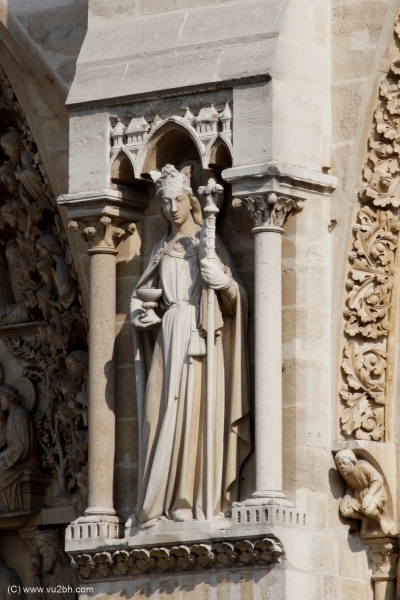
{"x":42,"y":319}
{"x":370,"y":289}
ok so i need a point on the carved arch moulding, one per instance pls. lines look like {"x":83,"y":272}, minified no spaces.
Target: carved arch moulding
{"x":371,"y":289}
{"x":43,"y":327}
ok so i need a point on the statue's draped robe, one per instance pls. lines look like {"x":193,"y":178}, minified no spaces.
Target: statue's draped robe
{"x":18,"y":444}
{"x":172,"y":470}
{"x":362,"y":478}
{"x":10,"y":585}
{"x":61,"y":585}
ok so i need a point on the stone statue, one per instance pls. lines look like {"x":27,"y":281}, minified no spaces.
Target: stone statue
{"x":365,"y":497}
{"x":52,"y":569}
{"x":11,"y":587}
{"x":18,"y":443}
{"x":171,"y":400}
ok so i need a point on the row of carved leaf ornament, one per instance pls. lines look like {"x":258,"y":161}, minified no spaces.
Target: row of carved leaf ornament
{"x":372,"y":271}
{"x":183,"y":557}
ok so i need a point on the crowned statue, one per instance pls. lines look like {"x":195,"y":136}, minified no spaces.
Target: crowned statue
{"x":177,"y":461}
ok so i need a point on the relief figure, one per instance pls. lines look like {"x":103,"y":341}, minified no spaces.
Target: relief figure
{"x":18,"y":447}
{"x":171,"y":399}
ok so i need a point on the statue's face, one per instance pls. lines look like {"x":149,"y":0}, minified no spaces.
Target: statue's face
{"x":10,"y":217}
{"x":48,"y":554}
{"x":12,"y":153}
{"x":10,"y":182}
{"x":176,"y":205}
{"x":345,"y":465}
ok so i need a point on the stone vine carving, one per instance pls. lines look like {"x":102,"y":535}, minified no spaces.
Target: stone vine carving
{"x":372,"y":272}
{"x":269,"y":209}
{"x":199,"y":556}
{"x":39,"y":284}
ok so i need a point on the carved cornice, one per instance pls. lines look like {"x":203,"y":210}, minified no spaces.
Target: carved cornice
{"x":137,"y":561}
{"x":280,"y":178}
{"x":269,"y":211}
{"x":372,"y":259}
{"x":104,"y":234}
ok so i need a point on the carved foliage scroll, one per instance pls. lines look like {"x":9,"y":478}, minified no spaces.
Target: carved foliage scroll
{"x":39,"y":284}
{"x":369,"y":303}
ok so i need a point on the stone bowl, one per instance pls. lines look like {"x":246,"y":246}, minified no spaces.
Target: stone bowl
{"x":149,"y":294}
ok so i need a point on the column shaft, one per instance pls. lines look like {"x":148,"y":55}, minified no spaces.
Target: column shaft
{"x":101,"y":383}
{"x":268,"y":362}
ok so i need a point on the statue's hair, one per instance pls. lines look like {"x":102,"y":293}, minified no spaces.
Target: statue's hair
{"x":13,"y":138}
{"x":195,"y":209}
{"x":49,"y":536}
{"x":10,"y":392}
{"x":51,"y":243}
{"x":80,"y":357}
{"x":346,"y":453}
{"x":14,"y":206}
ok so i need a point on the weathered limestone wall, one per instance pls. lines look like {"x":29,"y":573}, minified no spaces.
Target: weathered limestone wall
{"x":51,"y":29}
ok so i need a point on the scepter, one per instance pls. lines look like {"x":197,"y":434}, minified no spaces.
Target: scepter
{"x":210,"y":191}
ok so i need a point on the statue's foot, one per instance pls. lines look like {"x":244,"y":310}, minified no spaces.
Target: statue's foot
{"x":183,"y":515}
{"x":387,"y":526}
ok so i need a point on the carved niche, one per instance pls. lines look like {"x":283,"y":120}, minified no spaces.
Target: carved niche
{"x":40,"y":304}
{"x":370,"y":287}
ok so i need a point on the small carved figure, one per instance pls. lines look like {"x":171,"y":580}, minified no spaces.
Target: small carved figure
{"x":18,"y":443}
{"x":11,"y":585}
{"x":53,"y":570}
{"x":51,"y":253}
{"x":365,"y":497}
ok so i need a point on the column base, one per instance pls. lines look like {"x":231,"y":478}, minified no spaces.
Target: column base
{"x":92,"y":530}
{"x":267,"y":514}
{"x":270,"y":497}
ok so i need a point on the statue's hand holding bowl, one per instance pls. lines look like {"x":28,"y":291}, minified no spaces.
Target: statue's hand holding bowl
{"x":148,"y":320}
{"x":143,"y":324}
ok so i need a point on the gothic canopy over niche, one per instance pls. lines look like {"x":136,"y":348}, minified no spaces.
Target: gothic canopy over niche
{"x":142,"y":144}
{"x":42,"y":321}
{"x":370,"y":304}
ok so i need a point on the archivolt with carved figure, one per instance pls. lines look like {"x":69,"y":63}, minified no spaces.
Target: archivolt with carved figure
{"x":41,"y":308}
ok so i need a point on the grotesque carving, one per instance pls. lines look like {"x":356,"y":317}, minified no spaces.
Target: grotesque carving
{"x":39,"y":283}
{"x":11,"y":585}
{"x":365,"y":497}
{"x":18,"y":442}
{"x":52,"y":569}
{"x":172,"y":478}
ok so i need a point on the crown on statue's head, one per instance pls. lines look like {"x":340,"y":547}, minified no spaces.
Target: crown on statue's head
{"x":171,"y":177}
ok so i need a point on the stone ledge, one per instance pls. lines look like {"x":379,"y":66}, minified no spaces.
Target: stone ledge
{"x":278,"y":177}
{"x":265,"y":550}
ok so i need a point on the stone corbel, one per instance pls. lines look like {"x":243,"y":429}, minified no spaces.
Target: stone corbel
{"x":104,"y":234}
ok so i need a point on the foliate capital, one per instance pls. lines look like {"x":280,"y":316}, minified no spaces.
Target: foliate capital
{"x":269,"y":210}
{"x":103,"y":234}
